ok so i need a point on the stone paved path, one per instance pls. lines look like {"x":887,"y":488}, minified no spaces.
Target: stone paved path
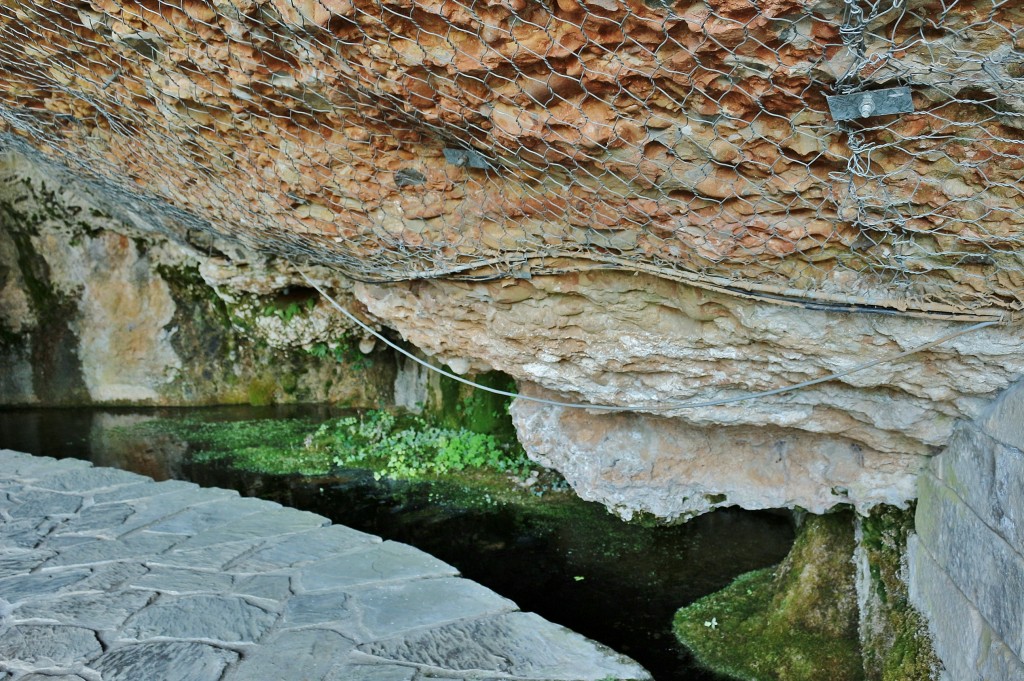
{"x":107,"y":575}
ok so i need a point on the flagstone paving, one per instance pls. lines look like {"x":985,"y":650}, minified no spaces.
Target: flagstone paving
{"x":107,"y":575}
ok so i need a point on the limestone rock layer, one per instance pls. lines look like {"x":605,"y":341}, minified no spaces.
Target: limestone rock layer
{"x":417,"y":138}
{"x":655,"y":346}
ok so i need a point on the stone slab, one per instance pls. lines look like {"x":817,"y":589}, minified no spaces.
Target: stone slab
{"x":19,"y":587}
{"x":18,"y":560}
{"x":186,"y":583}
{"x":319,"y":609}
{"x":179,"y":580}
{"x":48,"y":645}
{"x":1004,"y":418}
{"x":989,"y":476}
{"x":307,"y":654}
{"x":218,"y":618}
{"x":259,"y":526}
{"x":105,"y":521}
{"x":88,"y":480}
{"x":165,"y":660}
{"x":389,"y":609}
{"x":148,"y":512}
{"x":27,"y":533}
{"x":517,"y":644}
{"x":987,"y":570}
{"x":968,"y":647}
{"x":267,"y":587}
{"x":27,"y":468}
{"x":101,"y":550}
{"x":35,"y":503}
{"x":111,"y":576}
{"x":372,"y":672}
{"x":385,"y":562}
{"x":97,"y":611}
{"x":213,"y":557}
{"x":306,"y":547}
{"x":202,"y":517}
{"x":142,"y":490}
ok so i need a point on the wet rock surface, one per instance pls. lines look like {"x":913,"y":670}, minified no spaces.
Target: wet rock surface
{"x":178,"y":594}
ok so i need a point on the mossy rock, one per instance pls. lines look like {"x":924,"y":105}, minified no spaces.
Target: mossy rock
{"x":794,"y":622}
{"x":462,"y":406}
{"x":262,"y":391}
{"x":897,"y":645}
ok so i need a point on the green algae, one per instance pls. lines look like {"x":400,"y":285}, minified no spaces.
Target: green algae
{"x":262,"y":391}
{"x":795,"y":622}
{"x":457,"y":405}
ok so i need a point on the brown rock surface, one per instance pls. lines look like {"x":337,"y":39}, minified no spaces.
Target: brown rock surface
{"x":692,"y":140}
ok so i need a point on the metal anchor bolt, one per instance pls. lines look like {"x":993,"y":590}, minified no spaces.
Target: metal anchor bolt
{"x":867,"y":106}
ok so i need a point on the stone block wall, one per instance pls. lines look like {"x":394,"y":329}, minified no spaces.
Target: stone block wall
{"x":967,"y":560}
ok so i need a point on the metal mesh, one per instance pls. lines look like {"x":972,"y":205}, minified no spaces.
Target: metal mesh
{"x":496,"y":138}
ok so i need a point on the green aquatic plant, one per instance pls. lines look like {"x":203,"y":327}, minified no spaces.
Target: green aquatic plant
{"x":393,"y":446}
{"x":264,"y":445}
{"x":343,"y":351}
{"x":413,"y":448}
{"x":286,"y":313}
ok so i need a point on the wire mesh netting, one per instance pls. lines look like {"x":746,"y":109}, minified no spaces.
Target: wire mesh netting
{"x":497,"y":138}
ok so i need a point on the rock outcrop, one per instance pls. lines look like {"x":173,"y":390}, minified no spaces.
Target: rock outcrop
{"x":607,"y":338}
{"x":99,"y":307}
{"x":611,"y":180}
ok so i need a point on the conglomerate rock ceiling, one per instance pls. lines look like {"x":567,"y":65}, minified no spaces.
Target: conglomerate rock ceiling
{"x":426,"y":138}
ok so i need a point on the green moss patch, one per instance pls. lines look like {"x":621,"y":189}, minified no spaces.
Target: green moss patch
{"x":457,"y":405}
{"x":265,"y":445}
{"x":261,"y":391}
{"x":794,"y":622}
{"x":897,"y":646}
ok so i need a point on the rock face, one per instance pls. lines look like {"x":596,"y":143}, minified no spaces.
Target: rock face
{"x":402,"y":138}
{"x":100,"y":309}
{"x":636,"y":341}
{"x":671,"y":469}
{"x":795,"y":621}
{"x":182,"y":332}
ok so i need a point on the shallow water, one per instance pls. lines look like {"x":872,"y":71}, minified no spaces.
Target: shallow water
{"x":571,"y":562}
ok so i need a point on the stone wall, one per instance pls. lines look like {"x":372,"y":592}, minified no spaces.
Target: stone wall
{"x":967,"y":560}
